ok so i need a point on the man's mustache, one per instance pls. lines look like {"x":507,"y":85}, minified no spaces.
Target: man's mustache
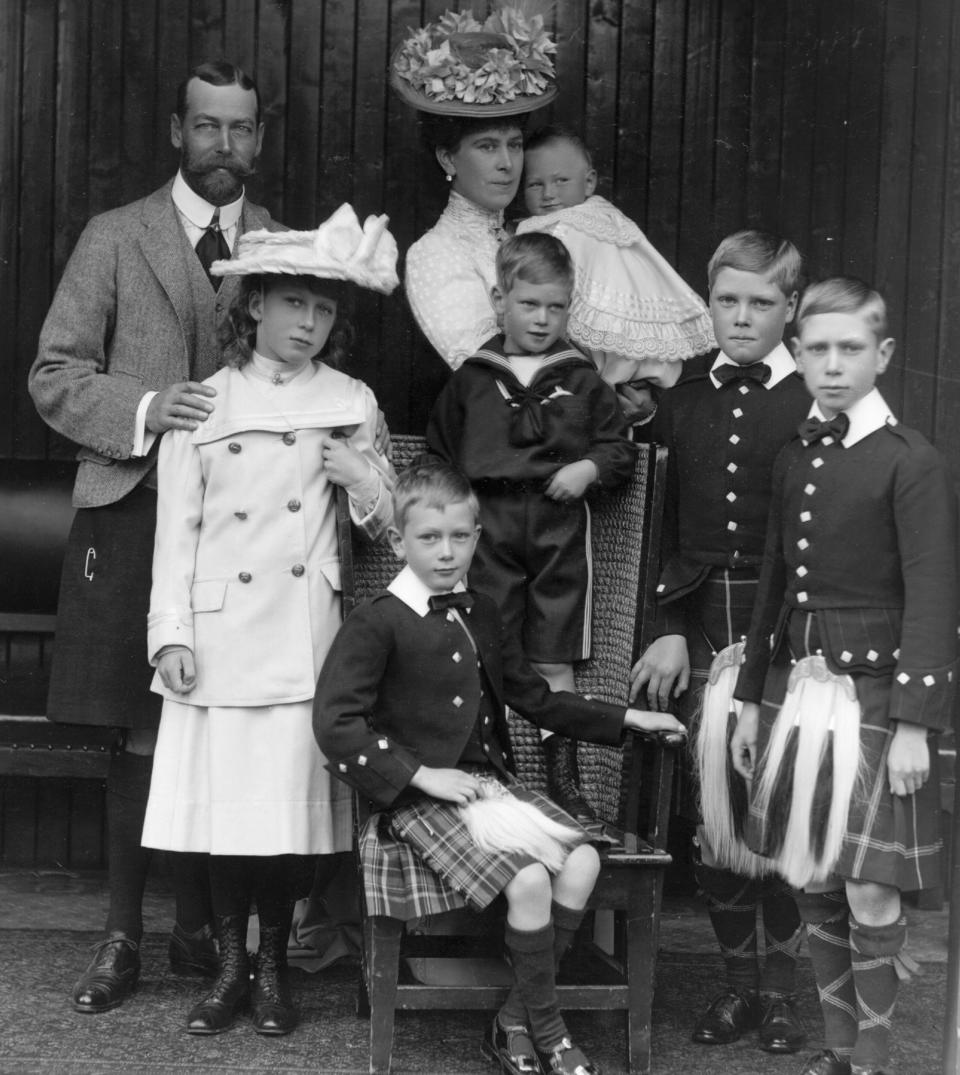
{"x":234,"y":167}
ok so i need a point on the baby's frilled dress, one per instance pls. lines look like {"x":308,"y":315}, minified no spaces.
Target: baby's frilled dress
{"x":247,"y":575}
{"x":631,"y":312}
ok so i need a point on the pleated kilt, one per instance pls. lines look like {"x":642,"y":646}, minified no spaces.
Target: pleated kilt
{"x":719,"y":613}
{"x":419,"y":859}
{"x":890,"y":839}
{"x":100,"y":672}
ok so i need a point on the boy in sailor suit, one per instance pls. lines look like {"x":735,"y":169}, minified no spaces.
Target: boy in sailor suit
{"x":410,"y":711}
{"x":723,"y":424}
{"x":532,"y":425}
{"x":859,"y":587}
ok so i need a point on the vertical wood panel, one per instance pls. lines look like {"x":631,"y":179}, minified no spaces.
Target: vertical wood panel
{"x":832,"y":123}
{"x":36,"y":202}
{"x":11,"y":46}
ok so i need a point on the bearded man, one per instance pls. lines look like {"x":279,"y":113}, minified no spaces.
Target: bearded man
{"x":130,"y":335}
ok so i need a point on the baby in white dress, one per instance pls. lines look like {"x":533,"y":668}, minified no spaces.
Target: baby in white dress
{"x":630,"y":312}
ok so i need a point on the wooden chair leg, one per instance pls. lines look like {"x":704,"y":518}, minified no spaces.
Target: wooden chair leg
{"x":642,"y":928}
{"x":381,"y":939}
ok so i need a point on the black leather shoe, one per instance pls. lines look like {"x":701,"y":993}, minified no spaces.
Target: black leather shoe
{"x":194,"y":955}
{"x":826,"y":1062}
{"x":566,"y":1059}
{"x":728,"y":1016}
{"x":512,"y":1048}
{"x":781,"y":1028}
{"x":231,"y":990}
{"x":271,"y":1004}
{"x":563,"y":778}
{"x":111,"y":976}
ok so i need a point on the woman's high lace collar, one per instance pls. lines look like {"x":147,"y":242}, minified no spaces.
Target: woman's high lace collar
{"x":465,"y":214}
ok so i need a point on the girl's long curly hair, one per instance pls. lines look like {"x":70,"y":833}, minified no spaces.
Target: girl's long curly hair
{"x":238,"y":332}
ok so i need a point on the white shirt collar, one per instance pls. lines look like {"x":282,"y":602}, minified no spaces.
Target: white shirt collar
{"x":779,"y":360}
{"x":198,"y":211}
{"x":866,"y":416}
{"x":414,"y":593}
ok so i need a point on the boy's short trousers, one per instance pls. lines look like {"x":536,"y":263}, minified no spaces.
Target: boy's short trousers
{"x":419,"y":859}
{"x":534,"y":560}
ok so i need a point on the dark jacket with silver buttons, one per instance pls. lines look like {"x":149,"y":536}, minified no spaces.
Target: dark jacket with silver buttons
{"x":865,"y":537}
{"x":398,"y":691}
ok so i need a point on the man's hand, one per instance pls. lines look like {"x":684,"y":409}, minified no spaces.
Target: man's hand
{"x":642,"y":720}
{"x":572,"y":481}
{"x":177,"y":669}
{"x":179,"y":406}
{"x":664,"y":669}
{"x":452,"y":785}
{"x":381,"y":436}
{"x":743,"y":742}
{"x":908,"y":760}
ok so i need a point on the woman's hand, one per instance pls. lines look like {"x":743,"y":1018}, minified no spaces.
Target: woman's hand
{"x":743,"y":744}
{"x":572,"y":481}
{"x":451,"y":785}
{"x":177,"y":669}
{"x":908,"y":760}
{"x":664,"y":669}
{"x":343,"y":464}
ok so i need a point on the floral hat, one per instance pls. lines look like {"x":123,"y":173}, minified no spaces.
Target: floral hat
{"x":458,"y":66}
{"x":338,"y":250}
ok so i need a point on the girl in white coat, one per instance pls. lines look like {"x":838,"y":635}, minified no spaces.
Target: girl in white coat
{"x":246,"y":594}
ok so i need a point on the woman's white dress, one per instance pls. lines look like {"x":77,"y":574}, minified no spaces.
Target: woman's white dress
{"x":247,"y":576}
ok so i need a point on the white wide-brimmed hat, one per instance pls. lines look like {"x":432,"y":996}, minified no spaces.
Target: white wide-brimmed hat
{"x":458,"y":66}
{"x":338,"y":250}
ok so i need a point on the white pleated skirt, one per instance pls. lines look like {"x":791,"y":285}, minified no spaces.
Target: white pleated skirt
{"x":244,"y":781}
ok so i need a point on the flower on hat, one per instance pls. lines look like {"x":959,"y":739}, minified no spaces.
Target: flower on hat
{"x":338,"y":250}
{"x":457,"y":59}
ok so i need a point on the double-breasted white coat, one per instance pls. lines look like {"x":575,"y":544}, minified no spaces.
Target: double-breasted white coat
{"x":247,"y":576}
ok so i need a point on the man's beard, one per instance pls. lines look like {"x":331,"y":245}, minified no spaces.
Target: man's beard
{"x":218,"y":181}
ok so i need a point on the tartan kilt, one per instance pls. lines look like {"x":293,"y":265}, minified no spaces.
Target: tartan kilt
{"x":419,"y":858}
{"x":100,"y":673}
{"x":890,"y":839}
{"x":719,"y":613}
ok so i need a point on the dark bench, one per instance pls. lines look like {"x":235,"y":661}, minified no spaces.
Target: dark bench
{"x":51,"y":776}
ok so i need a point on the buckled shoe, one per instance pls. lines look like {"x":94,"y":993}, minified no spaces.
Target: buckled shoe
{"x":512,"y":1048}
{"x":826,"y":1062}
{"x":781,"y":1028}
{"x":111,"y":976}
{"x":729,"y":1015}
{"x":566,"y":1059}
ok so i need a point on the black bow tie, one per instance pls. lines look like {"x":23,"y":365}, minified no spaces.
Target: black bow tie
{"x":440,"y":602}
{"x":813,"y":430}
{"x":730,"y":371}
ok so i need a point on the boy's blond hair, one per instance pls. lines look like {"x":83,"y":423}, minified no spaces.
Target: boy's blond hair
{"x":761,"y":253}
{"x":845,"y":295}
{"x":535,"y":257}
{"x":434,"y":484}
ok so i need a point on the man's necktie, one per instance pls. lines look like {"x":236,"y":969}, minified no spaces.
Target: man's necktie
{"x":211,"y":247}
{"x":442,"y":601}
{"x":729,"y":371}
{"x":813,"y":430}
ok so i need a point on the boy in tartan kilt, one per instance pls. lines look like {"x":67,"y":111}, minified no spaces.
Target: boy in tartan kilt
{"x":723,"y":424}
{"x":410,"y":711}
{"x":849,"y":672}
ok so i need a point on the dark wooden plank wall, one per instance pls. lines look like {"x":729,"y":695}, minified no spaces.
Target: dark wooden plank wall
{"x":834,"y":123}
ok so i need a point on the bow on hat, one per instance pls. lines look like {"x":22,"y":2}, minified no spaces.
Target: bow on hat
{"x":338,"y":250}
